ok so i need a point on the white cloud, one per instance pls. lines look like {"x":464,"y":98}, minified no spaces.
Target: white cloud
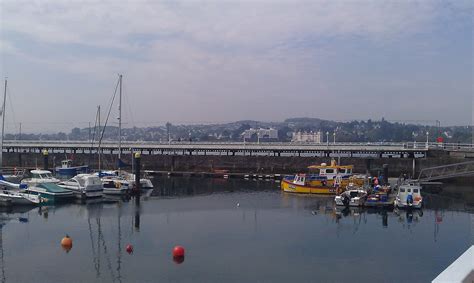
{"x":236,"y":54}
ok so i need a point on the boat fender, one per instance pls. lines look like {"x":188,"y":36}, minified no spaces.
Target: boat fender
{"x":324,"y":183}
{"x":117,"y":184}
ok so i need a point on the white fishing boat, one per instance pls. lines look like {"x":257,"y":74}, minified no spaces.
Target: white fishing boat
{"x":84,"y":186}
{"x":353,"y":196}
{"x":409,"y":196}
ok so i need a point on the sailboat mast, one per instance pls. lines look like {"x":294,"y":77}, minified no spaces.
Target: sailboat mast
{"x":98,"y":118}
{"x":3,"y":124}
{"x":120,"y":120}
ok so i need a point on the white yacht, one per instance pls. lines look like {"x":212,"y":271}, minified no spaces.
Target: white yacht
{"x":409,"y":196}
{"x":113,"y":184}
{"x":84,"y":186}
{"x":39,"y":177}
{"x":145,"y":183}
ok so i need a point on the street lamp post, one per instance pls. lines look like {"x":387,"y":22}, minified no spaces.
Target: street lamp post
{"x":334,"y":137}
{"x":327,"y":138}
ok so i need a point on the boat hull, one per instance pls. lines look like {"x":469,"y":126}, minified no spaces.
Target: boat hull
{"x":416,"y":205}
{"x":81,"y":194}
{"x":290,"y":187}
{"x":115,"y":191}
{"x":54,"y":197}
{"x":352,"y":202}
{"x":330,"y":183}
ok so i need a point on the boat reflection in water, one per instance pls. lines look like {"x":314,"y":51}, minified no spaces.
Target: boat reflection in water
{"x":242,"y":218}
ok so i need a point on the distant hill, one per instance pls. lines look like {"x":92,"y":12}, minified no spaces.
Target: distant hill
{"x":353,"y":131}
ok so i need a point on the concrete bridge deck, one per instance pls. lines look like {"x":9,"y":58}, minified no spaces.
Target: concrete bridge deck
{"x":363,"y":150}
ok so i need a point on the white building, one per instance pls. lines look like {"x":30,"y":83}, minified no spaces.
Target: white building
{"x":314,"y":137}
{"x":261,"y":133}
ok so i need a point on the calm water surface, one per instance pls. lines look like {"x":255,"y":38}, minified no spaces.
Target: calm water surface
{"x":269,"y":237}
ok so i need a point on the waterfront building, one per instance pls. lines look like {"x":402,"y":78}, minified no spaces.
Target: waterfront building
{"x":313,"y":137}
{"x":252,"y":134}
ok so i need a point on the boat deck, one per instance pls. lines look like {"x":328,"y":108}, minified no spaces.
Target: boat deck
{"x":388,"y":203}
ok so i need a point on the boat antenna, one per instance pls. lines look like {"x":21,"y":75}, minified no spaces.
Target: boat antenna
{"x":3,"y":124}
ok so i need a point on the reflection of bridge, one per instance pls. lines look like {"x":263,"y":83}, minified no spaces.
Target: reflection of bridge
{"x":364,"y":150}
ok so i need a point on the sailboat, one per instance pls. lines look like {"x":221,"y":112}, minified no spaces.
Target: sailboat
{"x":12,"y":197}
{"x":9,"y":175}
{"x":114,"y":184}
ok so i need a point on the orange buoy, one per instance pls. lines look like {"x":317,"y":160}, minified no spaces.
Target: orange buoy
{"x":66,"y":243}
{"x":178,"y":251}
{"x":129,"y":249}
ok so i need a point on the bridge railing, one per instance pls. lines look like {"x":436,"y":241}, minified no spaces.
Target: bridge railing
{"x":331,"y":145}
{"x":446,"y":171}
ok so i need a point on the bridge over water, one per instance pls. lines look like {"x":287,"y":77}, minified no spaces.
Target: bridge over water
{"x":338,"y":149}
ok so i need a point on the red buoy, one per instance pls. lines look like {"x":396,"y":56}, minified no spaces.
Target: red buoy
{"x":178,"y":251}
{"x":178,"y":259}
{"x":129,"y":249}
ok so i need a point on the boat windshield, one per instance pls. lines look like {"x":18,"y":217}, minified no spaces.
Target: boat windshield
{"x":81,"y":181}
{"x":93,"y":180}
{"x":41,"y":176}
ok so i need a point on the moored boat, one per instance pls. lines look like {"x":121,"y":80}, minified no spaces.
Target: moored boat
{"x":38,"y":177}
{"x":409,"y":196}
{"x":329,"y":179}
{"x":20,"y":198}
{"x":114,"y":185}
{"x":351,"y":197}
{"x":67,"y":168}
{"x":84,"y":186}
{"x":49,"y":191}
{"x":300,"y":184}
{"x":145,"y":183}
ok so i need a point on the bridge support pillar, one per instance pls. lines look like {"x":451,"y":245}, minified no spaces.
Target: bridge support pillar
{"x":367,"y":165}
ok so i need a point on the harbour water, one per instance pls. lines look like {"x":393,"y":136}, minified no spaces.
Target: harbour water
{"x":233,"y":231}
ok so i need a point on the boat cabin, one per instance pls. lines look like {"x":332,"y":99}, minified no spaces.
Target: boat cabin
{"x":409,"y":195}
{"x":85,"y":180}
{"x":300,"y":179}
{"x":41,"y":174}
{"x":332,"y":170}
{"x":66,"y":163}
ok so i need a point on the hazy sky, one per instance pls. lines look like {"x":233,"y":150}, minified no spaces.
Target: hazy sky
{"x":217,"y":61}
